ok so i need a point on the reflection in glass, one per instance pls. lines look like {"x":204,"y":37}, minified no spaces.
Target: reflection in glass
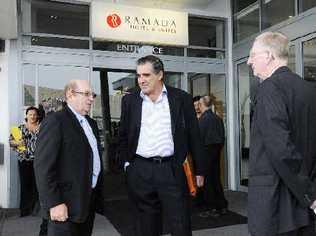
{"x":206,"y":53}
{"x":291,"y":62}
{"x":244,"y":118}
{"x":304,"y":5}
{"x":29,"y":82}
{"x":247,"y":85}
{"x":246,"y":19}
{"x":276,"y":11}
{"x":57,"y":42}
{"x":55,"y":18}
{"x":173,"y":79}
{"x":206,"y":32}
{"x":309,"y":57}
{"x":51,"y":83}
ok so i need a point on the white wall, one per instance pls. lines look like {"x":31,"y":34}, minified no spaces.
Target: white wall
{"x":4,"y":118}
{"x":10,"y":111}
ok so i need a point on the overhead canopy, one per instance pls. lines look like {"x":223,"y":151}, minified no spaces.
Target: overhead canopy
{"x":8,"y":19}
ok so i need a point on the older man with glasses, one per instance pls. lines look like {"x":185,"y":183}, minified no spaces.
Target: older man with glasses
{"x":282,"y":166}
{"x":68,"y":166}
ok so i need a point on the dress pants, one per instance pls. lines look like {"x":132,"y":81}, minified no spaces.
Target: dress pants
{"x":303,"y":231}
{"x":68,"y":228}
{"x":213,"y":189}
{"x":29,"y":194}
{"x":153,"y":191}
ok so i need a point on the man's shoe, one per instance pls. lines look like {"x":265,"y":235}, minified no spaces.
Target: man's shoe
{"x":214,"y":213}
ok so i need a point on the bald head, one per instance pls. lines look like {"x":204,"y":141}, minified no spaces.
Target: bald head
{"x":79,"y":95}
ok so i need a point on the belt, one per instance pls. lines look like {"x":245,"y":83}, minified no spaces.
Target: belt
{"x":154,"y":159}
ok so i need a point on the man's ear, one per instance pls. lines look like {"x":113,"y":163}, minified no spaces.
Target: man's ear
{"x":160,"y":74}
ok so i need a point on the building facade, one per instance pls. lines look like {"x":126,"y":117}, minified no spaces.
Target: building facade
{"x":54,"y":44}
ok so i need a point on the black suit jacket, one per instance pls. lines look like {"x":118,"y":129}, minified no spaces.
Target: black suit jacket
{"x":64,"y":164}
{"x":184,"y":125}
{"x":282,"y":154}
{"x":211,"y":128}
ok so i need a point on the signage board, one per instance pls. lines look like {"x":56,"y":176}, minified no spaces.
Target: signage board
{"x":114,"y":22}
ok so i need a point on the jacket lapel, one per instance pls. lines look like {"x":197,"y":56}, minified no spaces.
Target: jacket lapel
{"x":137,"y":113}
{"x":76,"y":124}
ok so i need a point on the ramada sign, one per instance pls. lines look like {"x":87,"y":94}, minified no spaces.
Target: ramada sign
{"x":142,"y":23}
{"x":134,"y":24}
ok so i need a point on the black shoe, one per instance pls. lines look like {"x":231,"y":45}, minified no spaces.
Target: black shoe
{"x":214,"y":213}
{"x":222,"y":211}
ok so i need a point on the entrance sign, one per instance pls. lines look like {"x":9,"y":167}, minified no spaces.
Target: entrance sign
{"x":123,"y":23}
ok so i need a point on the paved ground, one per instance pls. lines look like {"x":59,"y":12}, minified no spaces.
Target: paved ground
{"x":29,"y":226}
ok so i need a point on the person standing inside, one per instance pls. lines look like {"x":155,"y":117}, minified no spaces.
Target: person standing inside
{"x":196,"y":103}
{"x":67,"y":164}
{"x":213,"y":138}
{"x":29,"y":131}
{"x":282,"y":148}
{"x":158,"y":128}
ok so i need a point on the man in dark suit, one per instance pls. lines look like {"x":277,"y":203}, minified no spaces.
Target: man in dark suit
{"x":282,"y":149}
{"x":213,"y":139}
{"x":68,"y":165}
{"x":158,"y":128}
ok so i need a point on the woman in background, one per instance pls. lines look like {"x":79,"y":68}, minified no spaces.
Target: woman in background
{"x":29,"y":131}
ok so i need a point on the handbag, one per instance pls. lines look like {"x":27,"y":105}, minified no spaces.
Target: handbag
{"x":191,"y":179}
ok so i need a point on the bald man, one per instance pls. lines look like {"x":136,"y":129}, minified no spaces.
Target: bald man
{"x":68,"y":165}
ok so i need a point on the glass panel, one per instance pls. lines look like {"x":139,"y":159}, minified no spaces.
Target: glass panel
{"x":206,"y":53}
{"x":201,"y":84}
{"x":247,"y":84}
{"x":246,"y":20}
{"x":306,"y":4}
{"x":206,"y":32}
{"x":29,"y":82}
{"x":2,"y":45}
{"x":292,"y":63}
{"x":55,"y":18}
{"x":55,"y":42}
{"x":51,"y":83}
{"x":138,"y":48}
{"x":309,"y":54}
{"x":276,"y":11}
{"x":173,"y":79}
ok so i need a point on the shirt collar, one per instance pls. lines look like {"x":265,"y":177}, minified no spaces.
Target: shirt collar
{"x":78,"y":116}
{"x":163,"y":92}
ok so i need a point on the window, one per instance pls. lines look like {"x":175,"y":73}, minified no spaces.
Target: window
{"x":247,"y":84}
{"x":56,"y":42}
{"x":291,"y":62}
{"x":309,"y":57}
{"x":2,"y":45}
{"x":206,"y":32}
{"x":276,"y":11}
{"x":29,"y":82}
{"x":304,"y":5}
{"x":49,"y":17}
{"x":246,"y":18}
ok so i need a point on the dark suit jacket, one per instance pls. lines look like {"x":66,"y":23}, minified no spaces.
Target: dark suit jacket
{"x":282,"y":154}
{"x":211,"y":128}
{"x":64,"y":164}
{"x":184,"y":127}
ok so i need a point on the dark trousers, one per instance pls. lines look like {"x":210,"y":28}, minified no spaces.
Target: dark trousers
{"x":68,"y":228}
{"x":213,"y":190}
{"x":29,"y":194}
{"x":153,"y":191}
{"x":303,"y":231}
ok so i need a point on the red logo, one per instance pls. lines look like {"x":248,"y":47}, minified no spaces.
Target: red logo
{"x":113,"y":20}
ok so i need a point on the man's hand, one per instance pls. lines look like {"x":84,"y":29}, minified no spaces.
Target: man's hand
{"x":59,"y":213}
{"x":200,"y":180}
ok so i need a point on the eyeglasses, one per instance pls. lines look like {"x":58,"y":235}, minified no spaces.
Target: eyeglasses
{"x":255,"y":54}
{"x":86,"y":94}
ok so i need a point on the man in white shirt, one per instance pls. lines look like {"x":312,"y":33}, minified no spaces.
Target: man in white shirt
{"x":158,"y":128}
